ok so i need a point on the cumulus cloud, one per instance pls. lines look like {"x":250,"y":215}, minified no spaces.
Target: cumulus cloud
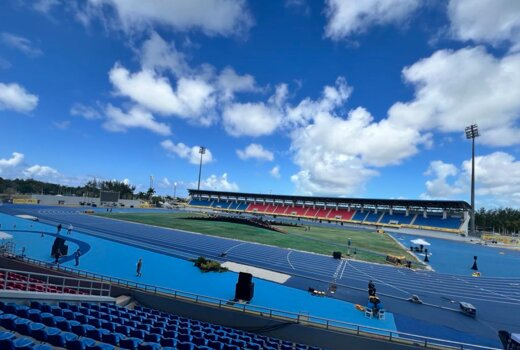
{"x":15,"y":97}
{"x":255,"y":119}
{"x":496,"y":179}
{"x":439,"y":188}
{"x":20,"y":43}
{"x":41,"y":171}
{"x":486,"y":21}
{"x":120,"y":121}
{"x":213,"y":17}
{"x":255,"y":151}
{"x":190,"y":153}
{"x":454,"y":89}
{"x":15,"y":160}
{"x":347,"y":18}
{"x":218,"y":183}
{"x":275,"y":172}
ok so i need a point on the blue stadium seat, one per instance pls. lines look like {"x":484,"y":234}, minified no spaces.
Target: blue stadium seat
{"x":149,"y":346}
{"x":7,"y":320}
{"x":81,"y":344}
{"x":184,"y":346}
{"x":130,"y":343}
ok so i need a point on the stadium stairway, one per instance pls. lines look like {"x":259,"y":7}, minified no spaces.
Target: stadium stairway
{"x":105,"y":326}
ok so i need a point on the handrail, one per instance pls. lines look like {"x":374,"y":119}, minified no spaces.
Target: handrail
{"x":304,"y":319}
{"x":49,"y":283}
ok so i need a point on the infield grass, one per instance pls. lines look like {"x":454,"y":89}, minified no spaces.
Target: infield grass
{"x":369,"y":245}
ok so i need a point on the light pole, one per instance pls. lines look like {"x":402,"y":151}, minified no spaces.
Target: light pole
{"x":472,"y":133}
{"x":174,"y":190}
{"x":202,"y":150}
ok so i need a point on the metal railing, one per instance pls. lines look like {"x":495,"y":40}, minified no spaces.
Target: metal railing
{"x":280,"y":315}
{"x":38,"y":282}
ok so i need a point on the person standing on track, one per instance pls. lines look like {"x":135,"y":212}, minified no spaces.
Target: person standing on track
{"x":77,"y":254}
{"x":69,"y":230}
{"x":57,"y":256}
{"x":139,"y":267}
{"x":58,"y":228}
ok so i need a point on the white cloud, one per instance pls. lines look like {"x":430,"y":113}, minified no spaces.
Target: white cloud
{"x":496,"y":179}
{"x":158,"y":54}
{"x":439,"y":186}
{"x":15,"y":97}
{"x":193,"y":99}
{"x":275,"y":171}
{"x":41,"y":171}
{"x":454,"y":89}
{"x":486,"y":21}
{"x":120,"y":121}
{"x":190,"y":153}
{"x":20,"y":43}
{"x":218,"y":183}
{"x":89,"y":113}
{"x":255,"y":119}
{"x":255,"y":151}
{"x":347,"y":18}
{"x":230,"y":82}
{"x":213,"y":17}
{"x":45,"y":6}
{"x":15,"y":160}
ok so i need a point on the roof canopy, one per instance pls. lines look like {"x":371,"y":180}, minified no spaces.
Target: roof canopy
{"x":413,"y":203}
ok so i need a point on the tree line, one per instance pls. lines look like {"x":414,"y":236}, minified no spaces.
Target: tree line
{"x":501,"y":220}
{"x":91,"y":189}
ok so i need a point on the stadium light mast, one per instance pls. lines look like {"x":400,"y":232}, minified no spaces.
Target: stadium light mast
{"x":174,"y":190}
{"x":472,"y":133}
{"x":202,"y":151}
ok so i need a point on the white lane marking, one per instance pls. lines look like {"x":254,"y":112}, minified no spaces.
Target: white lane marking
{"x":289,"y":261}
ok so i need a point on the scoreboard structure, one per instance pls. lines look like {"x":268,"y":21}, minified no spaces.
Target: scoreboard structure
{"x":109,"y":196}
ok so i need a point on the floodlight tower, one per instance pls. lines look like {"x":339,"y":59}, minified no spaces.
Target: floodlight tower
{"x":472,"y":133}
{"x":174,"y":190}
{"x":202,"y":151}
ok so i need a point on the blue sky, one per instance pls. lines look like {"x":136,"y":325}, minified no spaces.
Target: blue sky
{"x":337,"y":97}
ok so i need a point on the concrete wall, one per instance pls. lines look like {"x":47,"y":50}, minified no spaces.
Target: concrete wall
{"x":75,"y":201}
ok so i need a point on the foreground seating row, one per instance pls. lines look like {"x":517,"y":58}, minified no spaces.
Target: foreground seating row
{"x":105,"y":326}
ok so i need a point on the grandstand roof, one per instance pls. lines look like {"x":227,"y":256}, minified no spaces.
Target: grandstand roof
{"x":434,"y":204}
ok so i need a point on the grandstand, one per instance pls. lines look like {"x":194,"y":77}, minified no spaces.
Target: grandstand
{"x":433,"y":215}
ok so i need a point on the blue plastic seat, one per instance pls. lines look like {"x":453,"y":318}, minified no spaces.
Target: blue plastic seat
{"x":45,"y":307}
{"x":138,"y":333}
{"x":112,"y":338}
{"x":7,"y":320}
{"x":109,"y":326}
{"x":68,"y":314}
{"x":22,"y":326}
{"x":96,"y":334}
{"x":80,"y":344}
{"x":64,"y":324}
{"x":185,"y":338}
{"x":230,"y":347}
{"x":6,"y":339}
{"x":48,"y":319}
{"x":143,"y":326}
{"x":184,"y":346}
{"x":56,"y":310}
{"x":156,"y":330}
{"x":152,"y":338}
{"x":199,"y":341}
{"x":94,"y":322}
{"x":130,"y":343}
{"x":122,"y":329}
{"x":64,"y":305}
{"x":202,"y":347}
{"x":74,"y":308}
{"x":21,"y":311}
{"x":61,"y":339}
{"x":22,"y":344}
{"x":101,"y":346}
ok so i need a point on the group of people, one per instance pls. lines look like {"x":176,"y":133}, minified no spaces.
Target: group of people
{"x":58,"y":254}
{"x":373,"y":301}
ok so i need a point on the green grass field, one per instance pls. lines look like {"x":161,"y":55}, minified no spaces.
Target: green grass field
{"x":369,"y":245}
